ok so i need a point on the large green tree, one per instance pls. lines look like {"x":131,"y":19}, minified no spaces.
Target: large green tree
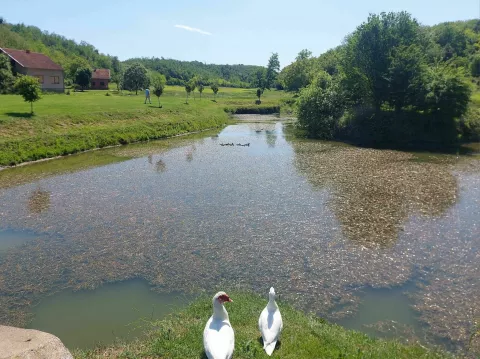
{"x":406,"y":76}
{"x":83,"y":77}
{"x":135,"y":78}
{"x":29,"y":88}
{"x":298,"y":74}
{"x":320,"y":106}
{"x":368,"y":55}
{"x":273,"y":68}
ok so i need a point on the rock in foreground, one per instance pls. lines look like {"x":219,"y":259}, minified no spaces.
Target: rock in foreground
{"x":30,"y":344}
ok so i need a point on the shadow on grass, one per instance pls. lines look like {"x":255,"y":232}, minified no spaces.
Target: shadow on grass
{"x":156,"y":106}
{"x":277,"y":345}
{"x":20,"y":114}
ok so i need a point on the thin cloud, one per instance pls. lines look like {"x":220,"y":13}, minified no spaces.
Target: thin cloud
{"x":188,"y":28}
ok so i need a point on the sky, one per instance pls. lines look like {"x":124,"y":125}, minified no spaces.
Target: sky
{"x":219,"y":31}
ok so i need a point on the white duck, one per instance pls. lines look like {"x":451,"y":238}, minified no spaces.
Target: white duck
{"x":270,"y":323}
{"x":218,"y":336}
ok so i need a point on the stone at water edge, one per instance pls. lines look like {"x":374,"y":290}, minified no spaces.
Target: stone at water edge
{"x":16,"y":343}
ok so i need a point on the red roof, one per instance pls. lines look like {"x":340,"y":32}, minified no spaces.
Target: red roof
{"x":101,"y":74}
{"x":32,"y":60}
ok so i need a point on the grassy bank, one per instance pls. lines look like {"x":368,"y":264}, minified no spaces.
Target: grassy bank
{"x":180,"y":336}
{"x":66,"y":124}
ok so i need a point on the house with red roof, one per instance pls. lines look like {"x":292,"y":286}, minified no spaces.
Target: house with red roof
{"x":49,"y":74}
{"x":100,"y":79}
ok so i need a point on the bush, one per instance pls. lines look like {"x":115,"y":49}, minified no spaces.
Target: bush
{"x":469,"y":125}
{"x":320,"y":107}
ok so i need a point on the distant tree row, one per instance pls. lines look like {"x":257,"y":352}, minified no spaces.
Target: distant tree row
{"x":73,"y":56}
{"x":181,"y":72}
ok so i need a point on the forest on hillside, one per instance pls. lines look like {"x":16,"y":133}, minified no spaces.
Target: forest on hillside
{"x":392,"y":81}
{"x":72,"y":55}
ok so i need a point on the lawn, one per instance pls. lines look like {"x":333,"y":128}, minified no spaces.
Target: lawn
{"x":303,"y":337}
{"x":65,"y":124}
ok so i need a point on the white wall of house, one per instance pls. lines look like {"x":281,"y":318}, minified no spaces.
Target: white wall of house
{"x":49,"y":78}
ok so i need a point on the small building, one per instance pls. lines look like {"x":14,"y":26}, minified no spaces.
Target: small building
{"x":50,"y":74}
{"x":100,"y":79}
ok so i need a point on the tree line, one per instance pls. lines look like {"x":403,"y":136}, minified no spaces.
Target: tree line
{"x":73,"y":56}
{"x":391,"y":81}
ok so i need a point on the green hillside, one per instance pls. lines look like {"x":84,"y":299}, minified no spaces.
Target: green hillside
{"x":71,"y":54}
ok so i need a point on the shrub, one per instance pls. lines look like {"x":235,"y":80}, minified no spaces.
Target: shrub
{"x":320,"y":107}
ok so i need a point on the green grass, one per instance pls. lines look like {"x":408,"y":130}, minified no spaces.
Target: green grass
{"x":303,"y":337}
{"x":66,"y":124}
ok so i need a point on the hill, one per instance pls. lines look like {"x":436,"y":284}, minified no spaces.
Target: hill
{"x":178,"y":72}
{"x":70,"y":54}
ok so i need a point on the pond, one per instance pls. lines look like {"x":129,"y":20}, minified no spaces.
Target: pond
{"x":377,"y":240}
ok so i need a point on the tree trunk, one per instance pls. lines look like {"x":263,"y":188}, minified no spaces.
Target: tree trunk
{"x":136,"y":91}
{"x":31,"y":107}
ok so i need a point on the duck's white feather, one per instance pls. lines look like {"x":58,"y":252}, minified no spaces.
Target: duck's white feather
{"x":218,"y":335}
{"x":270,"y":325}
{"x":218,"y":339}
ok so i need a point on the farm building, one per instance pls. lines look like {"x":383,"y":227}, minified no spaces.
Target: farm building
{"x":100,"y":79}
{"x":49,"y":74}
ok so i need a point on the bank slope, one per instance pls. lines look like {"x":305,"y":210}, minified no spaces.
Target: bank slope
{"x":303,"y":337}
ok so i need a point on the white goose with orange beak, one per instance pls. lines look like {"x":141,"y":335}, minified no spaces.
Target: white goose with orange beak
{"x":218,"y":336}
{"x":270,"y":323}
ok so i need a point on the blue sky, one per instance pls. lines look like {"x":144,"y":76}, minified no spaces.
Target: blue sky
{"x":245,"y":31}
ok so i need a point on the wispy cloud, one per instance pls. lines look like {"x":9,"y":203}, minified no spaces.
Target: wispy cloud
{"x":188,"y":28}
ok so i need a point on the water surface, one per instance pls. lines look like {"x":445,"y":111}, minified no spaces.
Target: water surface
{"x":114,"y":311}
{"x":321,"y":222}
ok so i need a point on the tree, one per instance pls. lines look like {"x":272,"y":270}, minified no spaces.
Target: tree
{"x":6,"y":76}
{"x":475,"y":66}
{"x":74,"y":65}
{"x":367,"y":57}
{"x":406,"y":76}
{"x":116,"y":65}
{"x":117,"y":78}
{"x":188,"y":90}
{"x":200,"y":89}
{"x":259,"y":94}
{"x":272,"y":71}
{"x":193,"y":85}
{"x":83,"y":77}
{"x":158,"y":82}
{"x":29,"y":88}
{"x":135,"y":77}
{"x":298,"y":74}
{"x":260,"y":79}
{"x":214,"y":88}
{"x":320,"y":107}
{"x":305,"y":54}
{"x":447,"y":92}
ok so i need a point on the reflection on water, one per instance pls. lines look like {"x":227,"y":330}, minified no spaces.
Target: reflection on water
{"x":318,"y":221}
{"x":374,"y":191}
{"x":83,"y":319}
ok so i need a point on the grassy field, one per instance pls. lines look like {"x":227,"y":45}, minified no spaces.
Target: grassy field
{"x":303,"y":337}
{"x":65,"y":124}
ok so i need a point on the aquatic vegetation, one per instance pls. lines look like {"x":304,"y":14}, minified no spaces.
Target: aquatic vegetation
{"x":319,"y":221}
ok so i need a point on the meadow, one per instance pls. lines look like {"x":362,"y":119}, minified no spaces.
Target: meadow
{"x":64,"y":124}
